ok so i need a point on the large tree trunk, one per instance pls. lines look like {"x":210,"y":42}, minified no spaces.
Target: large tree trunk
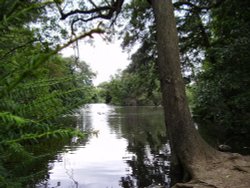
{"x":190,"y":153}
{"x":185,"y":140}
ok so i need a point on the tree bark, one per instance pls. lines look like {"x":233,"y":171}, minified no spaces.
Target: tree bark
{"x":193,"y":160}
{"x":187,"y":147}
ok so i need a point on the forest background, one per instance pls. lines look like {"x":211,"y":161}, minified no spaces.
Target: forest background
{"x":39,"y":86}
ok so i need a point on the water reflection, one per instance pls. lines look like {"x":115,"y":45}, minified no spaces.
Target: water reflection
{"x":145,"y":132}
{"x":129,"y":151}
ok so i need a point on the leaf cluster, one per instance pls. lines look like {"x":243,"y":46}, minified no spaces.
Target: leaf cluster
{"x":138,"y":84}
{"x":37,"y":87}
{"x":222,"y":92}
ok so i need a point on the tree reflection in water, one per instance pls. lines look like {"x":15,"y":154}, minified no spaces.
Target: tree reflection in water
{"x":144,"y":129}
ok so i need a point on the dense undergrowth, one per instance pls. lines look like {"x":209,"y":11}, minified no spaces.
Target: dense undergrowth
{"x":37,"y":87}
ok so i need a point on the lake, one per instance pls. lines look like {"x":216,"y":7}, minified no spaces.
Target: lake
{"x":128,"y":148}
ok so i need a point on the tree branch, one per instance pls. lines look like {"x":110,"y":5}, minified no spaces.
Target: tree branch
{"x":104,"y":12}
{"x":109,"y":9}
{"x":87,"y":34}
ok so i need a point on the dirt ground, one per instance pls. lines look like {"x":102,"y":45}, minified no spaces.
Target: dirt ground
{"x":228,"y":171}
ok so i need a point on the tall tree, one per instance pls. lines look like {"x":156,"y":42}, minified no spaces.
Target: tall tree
{"x":193,"y":159}
{"x":177,"y":115}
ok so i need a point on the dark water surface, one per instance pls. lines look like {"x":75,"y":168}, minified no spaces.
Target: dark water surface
{"x":130,"y":150}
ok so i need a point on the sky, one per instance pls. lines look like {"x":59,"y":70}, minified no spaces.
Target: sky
{"x":104,"y":58}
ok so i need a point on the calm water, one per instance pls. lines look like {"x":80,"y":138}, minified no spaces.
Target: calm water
{"x":129,"y":150}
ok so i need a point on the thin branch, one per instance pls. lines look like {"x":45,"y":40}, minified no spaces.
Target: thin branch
{"x":116,"y":7}
{"x":59,"y":9}
{"x":87,"y":34}
{"x":107,"y":2}
{"x":16,"y":48}
{"x":82,"y":20}
{"x":92,"y":3}
{"x":111,"y":9}
{"x":77,"y":11}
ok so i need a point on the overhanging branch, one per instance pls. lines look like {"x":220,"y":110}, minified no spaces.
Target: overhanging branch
{"x":84,"y":35}
{"x":105,"y":12}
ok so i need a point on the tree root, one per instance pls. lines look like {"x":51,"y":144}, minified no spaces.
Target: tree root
{"x":229,"y":171}
{"x":194,"y":184}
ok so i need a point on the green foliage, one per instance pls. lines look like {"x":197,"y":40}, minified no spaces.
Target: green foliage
{"x":214,"y":45}
{"x":140,"y":25}
{"x":136,"y":85}
{"x":29,"y":109}
{"x":37,"y":87}
{"x":222,"y":93}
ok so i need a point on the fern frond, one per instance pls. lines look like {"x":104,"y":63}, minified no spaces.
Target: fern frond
{"x":50,"y":134}
{"x":9,"y":118}
{"x":52,"y":81}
